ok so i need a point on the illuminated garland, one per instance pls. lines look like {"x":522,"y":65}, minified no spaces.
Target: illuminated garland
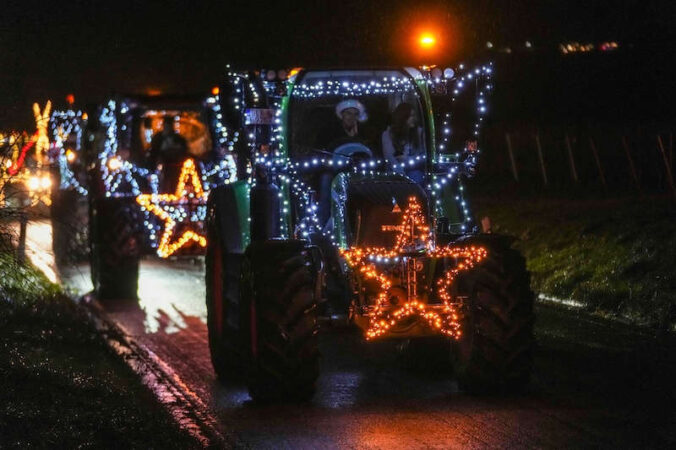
{"x":63,"y":124}
{"x":37,"y":182}
{"x":18,"y":164}
{"x":387,"y":85}
{"x":413,"y":242}
{"x":173,"y":209}
{"x":466,"y":161}
{"x":112,"y":170}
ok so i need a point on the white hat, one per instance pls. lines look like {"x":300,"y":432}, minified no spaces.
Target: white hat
{"x":351,"y":103}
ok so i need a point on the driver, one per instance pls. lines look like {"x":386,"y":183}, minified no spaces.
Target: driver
{"x":168,"y":148}
{"x":351,"y":113}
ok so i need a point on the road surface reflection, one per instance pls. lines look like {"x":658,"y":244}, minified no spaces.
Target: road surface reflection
{"x":169,"y":290}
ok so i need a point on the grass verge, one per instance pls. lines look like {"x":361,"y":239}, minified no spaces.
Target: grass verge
{"x":617,"y":256}
{"x":62,"y":386}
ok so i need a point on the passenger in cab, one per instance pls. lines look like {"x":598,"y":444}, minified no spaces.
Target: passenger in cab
{"x":402,"y":140}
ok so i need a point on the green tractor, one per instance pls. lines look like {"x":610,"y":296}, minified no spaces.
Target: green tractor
{"x":349,"y":205}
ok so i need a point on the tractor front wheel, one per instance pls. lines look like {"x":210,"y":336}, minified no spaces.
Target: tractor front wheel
{"x":223,"y":316}
{"x":116,"y":246}
{"x":495,"y":349}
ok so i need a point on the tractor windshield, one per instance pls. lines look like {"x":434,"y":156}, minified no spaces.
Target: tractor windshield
{"x":187,"y":124}
{"x":378,"y":113}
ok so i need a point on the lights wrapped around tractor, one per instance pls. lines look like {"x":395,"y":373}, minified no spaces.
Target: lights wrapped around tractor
{"x":402,"y":290}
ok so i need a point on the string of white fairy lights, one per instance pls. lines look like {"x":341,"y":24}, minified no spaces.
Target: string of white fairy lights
{"x":290,"y":172}
{"x":63,"y":124}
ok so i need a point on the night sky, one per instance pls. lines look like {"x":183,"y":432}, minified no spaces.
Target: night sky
{"x":94,"y":48}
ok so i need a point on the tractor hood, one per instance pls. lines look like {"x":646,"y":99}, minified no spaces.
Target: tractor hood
{"x":369,"y":207}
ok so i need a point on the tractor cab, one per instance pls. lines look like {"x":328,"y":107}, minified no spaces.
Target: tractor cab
{"x":160,"y":133}
{"x":348,"y":127}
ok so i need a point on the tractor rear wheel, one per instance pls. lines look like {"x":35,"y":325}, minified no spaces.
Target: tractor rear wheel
{"x":279,"y":307}
{"x":116,"y":246}
{"x":222,"y":278}
{"x":495,"y":349}
{"x":70,"y":233}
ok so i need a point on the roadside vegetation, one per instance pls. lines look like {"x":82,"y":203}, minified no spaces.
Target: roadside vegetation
{"x":61,"y":384}
{"x":616,"y":256}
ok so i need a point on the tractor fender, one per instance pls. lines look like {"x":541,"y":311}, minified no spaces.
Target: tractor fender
{"x":497,"y":245}
{"x":492,"y":241}
{"x":228,"y":215}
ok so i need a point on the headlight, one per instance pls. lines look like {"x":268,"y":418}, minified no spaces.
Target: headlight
{"x":33,"y":183}
{"x":46,"y":182}
{"x":70,"y":155}
{"x":114,"y":163}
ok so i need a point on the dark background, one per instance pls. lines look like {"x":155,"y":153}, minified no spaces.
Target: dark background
{"x":91,"y":49}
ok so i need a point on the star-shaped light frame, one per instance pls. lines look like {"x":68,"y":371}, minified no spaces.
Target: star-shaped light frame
{"x":413,"y":242}
{"x":165,"y":205}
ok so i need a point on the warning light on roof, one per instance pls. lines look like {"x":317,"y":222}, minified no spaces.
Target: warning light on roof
{"x":427,"y":40}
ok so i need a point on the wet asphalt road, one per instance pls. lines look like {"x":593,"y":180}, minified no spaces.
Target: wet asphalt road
{"x":596,"y":383}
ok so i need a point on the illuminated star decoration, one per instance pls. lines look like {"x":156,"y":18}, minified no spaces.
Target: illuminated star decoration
{"x":412,"y":243}
{"x":176,"y":209}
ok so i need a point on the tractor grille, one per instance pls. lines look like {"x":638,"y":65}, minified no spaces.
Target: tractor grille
{"x":371,"y":211}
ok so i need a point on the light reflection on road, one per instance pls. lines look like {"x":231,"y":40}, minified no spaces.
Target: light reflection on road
{"x":168,"y":290}
{"x":173,"y":288}
{"x":39,"y":248}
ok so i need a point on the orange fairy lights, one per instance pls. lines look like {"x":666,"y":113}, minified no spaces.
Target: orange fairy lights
{"x":412,"y":244}
{"x":171,"y":208}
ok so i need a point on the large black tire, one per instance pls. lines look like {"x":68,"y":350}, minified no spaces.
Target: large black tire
{"x":494,"y":352}
{"x":116,"y":246}
{"x":70,"y":230}
{"x":222,"y":277}
{"x":279,"y":311}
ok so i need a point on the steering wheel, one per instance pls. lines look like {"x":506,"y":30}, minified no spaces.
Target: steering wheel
{"x":350,"y":150}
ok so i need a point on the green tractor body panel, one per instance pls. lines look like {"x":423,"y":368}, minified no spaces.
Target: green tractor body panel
{"x":242,"y":192}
